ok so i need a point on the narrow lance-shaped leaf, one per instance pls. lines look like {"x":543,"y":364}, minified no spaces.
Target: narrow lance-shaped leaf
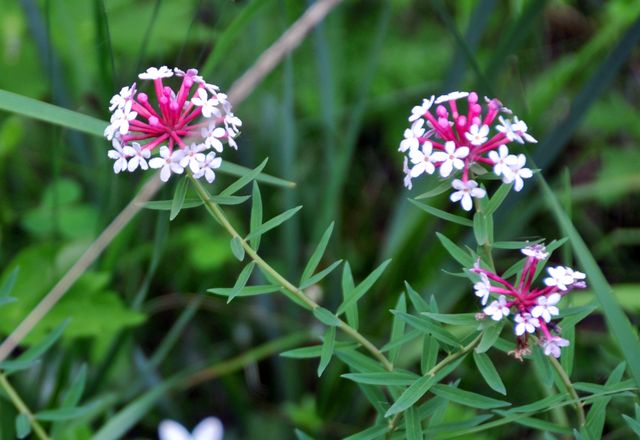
{"x":23,"y":426}
{"x":244,"y":180}
{"x":443,"y":214}
{"x":363,"y":287}
{"x":273,"y":223}
{"x":386,"y":378}
{"x":236,"y":248}
{"x":178,"y":198}
{"x":429,"y":355}
{"x":315,"y":258}
{"x":397,"y":327}
{"x":413,"y":428}
{"x":245,"y":291}
{"x":348,"y":289}
{"x":7,"y":286}
{"x":29,"y":357}
{"x":455,"y":251}
{"x":328,"y":345}
{"x":241,"y":282}
{"x":489,"y":372}
{"x":467,"y":398}
{"x":430,"y":327}
{"x":325,"y":316}
{"x":256,"y":215}
{"x":320,"y":275}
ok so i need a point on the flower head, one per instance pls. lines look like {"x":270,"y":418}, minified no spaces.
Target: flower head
{"x":533,"y":308}
{"x":459,"y":138}
{"x":208,"y":429}
{"x":180,"y":125}
{"x":465,"y":191}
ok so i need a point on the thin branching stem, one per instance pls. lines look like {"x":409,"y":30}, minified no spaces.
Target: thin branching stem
{"x":218,"y":214}
{"x":570,"y":389}
{"x":22,"y":408}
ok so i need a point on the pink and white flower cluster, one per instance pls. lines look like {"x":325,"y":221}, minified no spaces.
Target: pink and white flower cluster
{"x":452,"y":141}
{"x":187,"y":128}
{"x":532,"y":308}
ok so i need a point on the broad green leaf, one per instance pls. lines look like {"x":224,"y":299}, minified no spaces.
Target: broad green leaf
{"x":315,"y":258}
{"x":386,"y":378}
{"x":178,"y":198}
{"x":430,"y":327}
{"x":397,"y":328}
{"x":455,"y":251}
{"x":244,"y":180}
{"x":245,"y":291}
{"x":412,"y":426}
{"x":325,"y":316}
{"x":363,"y":287}
{"x":273,"y":223}
{"x":320,"y":275}
{"x":467,"y":398}
{"x":443,"y":214}
{"x":236,"y":248}
{"x":348,"y":289}
{"x":328,"y":346}
{"x":166,"y":205}
{"x":256,"y":215}
{"x":241,"y":282}
{"x":489,"y":372}
{"x":23,"y":427}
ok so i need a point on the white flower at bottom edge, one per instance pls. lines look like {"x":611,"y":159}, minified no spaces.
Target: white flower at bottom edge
{"x":208,"y":429}
{"x":465,"y":191}
{"x":497,"y":309}
{"x":525,"y":323}
{"x":210,"y":163}
{"x":168,"y":161}
{"x":552,"y":346}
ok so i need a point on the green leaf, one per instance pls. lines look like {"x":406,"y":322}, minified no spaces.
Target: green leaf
{"x":489,"y":372}
{"x":597,"y":413}
{"x":178,"y":198}
{"x":373,"y":433}
{"x":320,"y":275}
{"x":358,"y":361}
{"x":443,"y":214}
{"x":489,"y":337}
{"x":236,"y":248}
{"x":23,"y":427}
{"x":621,"y":329}
{"x":348,"y":289}
{"x":385,"y":378}
{"x":228,"y":200}
{"x":420,"y":387}
{"x":498,"y":197}
{"x":300,"y":435}
{"x":441,"y":188}
{"x":9,"y":282}
{"x":417,"y":300}
{"x":166,"y":205}
{"x":241,"y":282}
{"x":482,"y":228}
{"x":397,"y":327}
{"x":325,"y":316}
{"x":514,"y":244}
{"x":467,"y":398}
{"x":412,"y":426}
{"x":240,"y":171}
{"x":455,"y":251}
{"x":30,"y":357}
{"x":244,"y":180}
{"x":430,"y":327}
{"x":61,"y":414}
{"x":429,"y":355}
{"x":315,"y":258}
{"x":409,"y":336}
{"x":256,"y":215}
{"x":363,"y":287}
{"x":245,"y":291}
{"x":328,"y":346}
{"x":462,"y":319}
{"x":539,"y":405}
{"x":273,"y":223}
{"x":632,"y":423}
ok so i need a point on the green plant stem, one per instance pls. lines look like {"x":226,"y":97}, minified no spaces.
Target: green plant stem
{"x":572,"y":391}
{"x":452,"y":357}
{"x":218,"y":214}
{"x":22,"y":407}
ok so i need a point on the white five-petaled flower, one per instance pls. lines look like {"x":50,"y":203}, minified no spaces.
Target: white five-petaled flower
{"x":497,"y":309}
{"x":509,"y":130}
{"x":483,"y":288}
{"x":422,"y":159}
{"x":551,"y":346}
{"x":521,"y":128}
{"x":499,"y":158}
{"x":518,"y":172}
{"x":407,"y":173}
{"x":419,"y":111}
{"x":193,"y":157}
{"x":138,"y":156}
{"x":559,"y":277}
{"x":118,"y":155}
{"x":546,"y":307}
{"x":576,"y":275}
{"x":155,"y":73}
{"x":209,"y":105}
{"x":465,"y":191}
{"x":477,"y":135}
{"x":212,"y":135}
{"x":412,"y":135}
{"x":119,"y":100}
{"x":451,"y":158}
{"x":208,"y":429}
{"x":120,"y":120}
{"x":525,"y":323}
{"x":210,"y":163}
{"x":169,"y":162}
{"x":537,"y":251}
{"x":451,"y":97}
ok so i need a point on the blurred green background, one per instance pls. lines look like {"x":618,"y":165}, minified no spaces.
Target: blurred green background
{"x":330,"y":118}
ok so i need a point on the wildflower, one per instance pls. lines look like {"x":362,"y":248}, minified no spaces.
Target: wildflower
{"x":208,"y":429}
{"x":466,"y":190}
{"x":534,"y":308}
{"x":210,"y":163}
{"x":461,"y":139}
{"x":180,"y":125}
{"x":422,"y":160}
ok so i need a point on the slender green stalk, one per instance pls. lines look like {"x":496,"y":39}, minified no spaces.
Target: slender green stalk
{"x":570,"y":389}
{"x":22,"y":408}
{"x":218,"y":215}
